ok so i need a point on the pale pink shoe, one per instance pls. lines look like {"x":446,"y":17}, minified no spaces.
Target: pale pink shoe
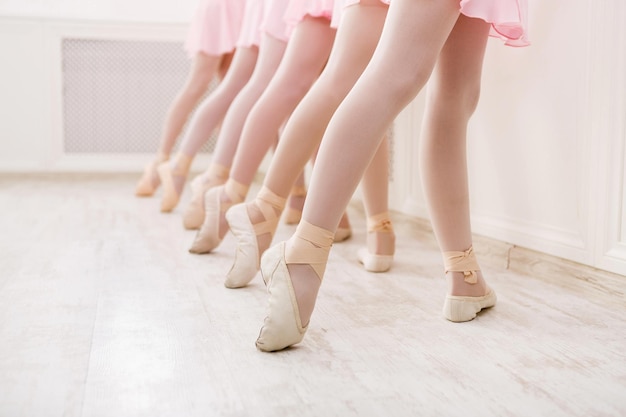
{"x":179,"y":167}
{"x":215,"y":175}
{"x":282,"y":327}
{"x":149,"y":181}
{"x":208,"y":237}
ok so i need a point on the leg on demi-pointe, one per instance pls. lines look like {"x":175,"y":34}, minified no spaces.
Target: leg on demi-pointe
{"x":306,"y":55}
{"x":452,"y":98}
{"x":232,"y":138}
{"x":356,"y":40}
{"x":213,"y":230}
{"x":295,"y":202}
{"x":206,"y":118}
{"x":353,"y":47}
{"x":410,"y":44}
{"x":204,"y":68}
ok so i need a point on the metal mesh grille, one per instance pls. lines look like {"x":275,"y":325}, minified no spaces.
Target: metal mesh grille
{"x":116,"y":94}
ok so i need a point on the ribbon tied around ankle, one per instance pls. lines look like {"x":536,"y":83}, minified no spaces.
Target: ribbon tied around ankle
{"x":462,"y":262}
{"x":379,"y":223}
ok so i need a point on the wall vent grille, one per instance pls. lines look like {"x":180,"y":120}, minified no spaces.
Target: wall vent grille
{"x":116,"y":94}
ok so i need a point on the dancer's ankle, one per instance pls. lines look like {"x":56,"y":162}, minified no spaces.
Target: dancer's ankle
{"x":215,"y":175}
{"x":181,"y":164}
{"x":264,"y":213}
{"x":463,"y":274}
{"x":161,"y":157}
{"x":306,"y":255}
{"x":381,"y":239}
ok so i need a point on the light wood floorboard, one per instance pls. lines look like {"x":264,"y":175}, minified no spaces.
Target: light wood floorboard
{"x":103,"y":312}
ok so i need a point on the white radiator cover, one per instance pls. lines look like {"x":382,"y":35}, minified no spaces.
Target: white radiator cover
{"x":116,"y":93}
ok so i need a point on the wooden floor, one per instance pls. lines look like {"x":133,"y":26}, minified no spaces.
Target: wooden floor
{"x":103,"y":312}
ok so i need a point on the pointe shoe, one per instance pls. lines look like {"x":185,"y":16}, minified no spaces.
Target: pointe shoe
{"x":282,"y":326}
{"x":310,"y":245}
{"x":171,"y":197}
{"x":246,"y":263}
{"x":208,"y":237}
{"x":374,"y":262}
{"x":465,"y":308}
{"x":193,"y":216}
{"x":459,"y":309}
{"x":293,"y":215}
{"x":149,"y":181}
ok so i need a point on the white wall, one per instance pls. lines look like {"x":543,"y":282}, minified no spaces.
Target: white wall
{"x":178,"y":11}
{"x":546,"y":144}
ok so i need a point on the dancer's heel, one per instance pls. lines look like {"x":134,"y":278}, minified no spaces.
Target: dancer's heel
{"x":379,"y":227}
{"x":465,"y":308}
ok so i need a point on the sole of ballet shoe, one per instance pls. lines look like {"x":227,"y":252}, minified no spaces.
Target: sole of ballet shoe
{"x":207,"y":237}
{"x":459,"y":309}
{"x":282,"y":327}
{"x":374,"y":263}
{"x":170,"y":197}
{"x":246,"y":263}
{"x":342,"y":233}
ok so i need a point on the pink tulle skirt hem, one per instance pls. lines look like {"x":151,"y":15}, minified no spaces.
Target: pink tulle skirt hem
{"x":250,"y":34}
{"x":215,"y":27}
{"x":340,"y":5}
{"x":298,"y":9}
{"x":274,"y":22}
{"x":508,"y":18}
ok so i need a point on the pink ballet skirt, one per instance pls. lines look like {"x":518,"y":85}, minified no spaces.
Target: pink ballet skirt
{"x":508,"y":18}
{"x":274,"y":22}
{"x":298,"y":9}
{"x":342,"y":4}
{"x":250,"y":34}
{"x":215,"y":27}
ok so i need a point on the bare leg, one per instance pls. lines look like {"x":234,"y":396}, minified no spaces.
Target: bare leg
{"x":207,"y":117}
{"x":414,"y":35}
{"x":204,"y":68}
{"x":361,"y":121}
{"x":452,"y":98}
{"x":306,"y":55}
{"x":214,"y":228}
{"x":381,"y":239}
{"x":233,"y":129}
{"x":271,"y":53}
{"x":354,"y":45}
